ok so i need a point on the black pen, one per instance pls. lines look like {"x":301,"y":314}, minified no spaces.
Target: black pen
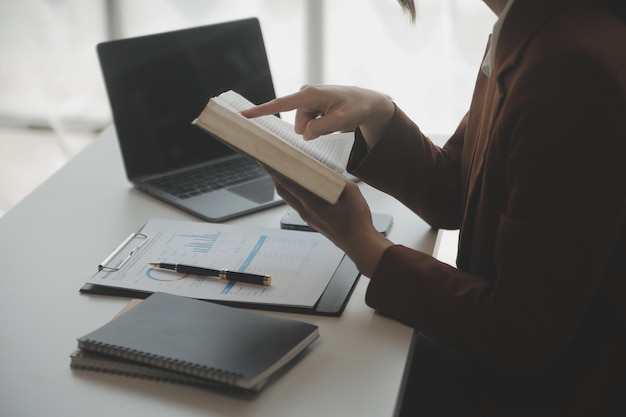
{"x":223,"y":274}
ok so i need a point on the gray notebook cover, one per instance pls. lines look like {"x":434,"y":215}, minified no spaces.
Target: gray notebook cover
{"x":203,"y":339}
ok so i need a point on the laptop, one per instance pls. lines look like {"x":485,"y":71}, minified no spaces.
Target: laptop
{"x":157,"y":84}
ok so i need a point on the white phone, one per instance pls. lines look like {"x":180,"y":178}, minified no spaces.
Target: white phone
{"x":292,"y":221}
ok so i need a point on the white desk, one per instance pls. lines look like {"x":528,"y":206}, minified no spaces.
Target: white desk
{"x":53,"y":241}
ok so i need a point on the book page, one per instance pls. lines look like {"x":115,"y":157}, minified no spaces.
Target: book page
{"x":331,"y":150}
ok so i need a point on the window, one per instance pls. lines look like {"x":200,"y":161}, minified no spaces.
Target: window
{"x":50,"y":74}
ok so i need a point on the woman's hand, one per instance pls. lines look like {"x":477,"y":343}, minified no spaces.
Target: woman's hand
{"x":321,"y":110}
{"x":348,"y":223}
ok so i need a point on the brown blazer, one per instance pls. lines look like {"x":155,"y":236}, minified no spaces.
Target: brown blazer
{"x":535,"y":178}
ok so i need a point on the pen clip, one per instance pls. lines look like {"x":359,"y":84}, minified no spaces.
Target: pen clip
{"x":106,"y":264}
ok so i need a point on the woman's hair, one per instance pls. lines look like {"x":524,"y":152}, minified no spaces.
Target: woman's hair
{"x":409,"y":7}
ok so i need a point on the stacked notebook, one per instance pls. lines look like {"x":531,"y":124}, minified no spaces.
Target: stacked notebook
{"x":182,"y":340}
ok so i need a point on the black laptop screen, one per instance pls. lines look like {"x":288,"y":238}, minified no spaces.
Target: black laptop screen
{"x":157,"y":84}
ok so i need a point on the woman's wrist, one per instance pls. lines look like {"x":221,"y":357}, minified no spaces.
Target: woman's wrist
{"x":381,"y":113}
{"x":368,"y":252}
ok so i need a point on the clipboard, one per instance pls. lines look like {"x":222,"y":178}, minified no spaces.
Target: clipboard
{"x":332,"y":301}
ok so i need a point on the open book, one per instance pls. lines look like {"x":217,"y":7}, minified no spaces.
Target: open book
{"x":316,"y":165}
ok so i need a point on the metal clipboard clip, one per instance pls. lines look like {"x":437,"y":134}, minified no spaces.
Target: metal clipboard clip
{"x":113,"y":262}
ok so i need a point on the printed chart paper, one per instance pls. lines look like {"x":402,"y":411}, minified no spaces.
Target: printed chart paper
{"x":301,"y":264}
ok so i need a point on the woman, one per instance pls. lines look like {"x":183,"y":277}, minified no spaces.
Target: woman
{"x":535,"y":179}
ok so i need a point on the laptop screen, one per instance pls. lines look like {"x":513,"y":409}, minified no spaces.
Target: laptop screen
{"x":157,"y":84}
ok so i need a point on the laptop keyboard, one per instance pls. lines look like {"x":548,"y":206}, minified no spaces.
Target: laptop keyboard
{"x":208,"y":178}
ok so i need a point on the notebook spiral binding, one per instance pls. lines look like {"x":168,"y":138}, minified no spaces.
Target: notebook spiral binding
{"x":212,"y":374}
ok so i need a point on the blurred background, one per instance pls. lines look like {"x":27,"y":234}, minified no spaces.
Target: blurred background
{"x":53,"y":102}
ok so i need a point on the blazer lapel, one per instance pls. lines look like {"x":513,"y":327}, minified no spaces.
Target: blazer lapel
{"x":524,"y":19}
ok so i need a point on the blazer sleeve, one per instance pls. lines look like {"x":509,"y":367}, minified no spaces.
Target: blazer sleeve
{"x":410,"y":167}
{"x":557,"y":239}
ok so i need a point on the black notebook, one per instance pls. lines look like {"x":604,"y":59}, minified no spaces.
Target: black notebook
{"x":98,"y":362}
{"x":204,"y":340}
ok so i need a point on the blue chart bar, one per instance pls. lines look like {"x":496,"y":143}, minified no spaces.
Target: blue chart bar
{"x":201,"y":243}
{"x":253,"y":253}
{"x":247,"y":262}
